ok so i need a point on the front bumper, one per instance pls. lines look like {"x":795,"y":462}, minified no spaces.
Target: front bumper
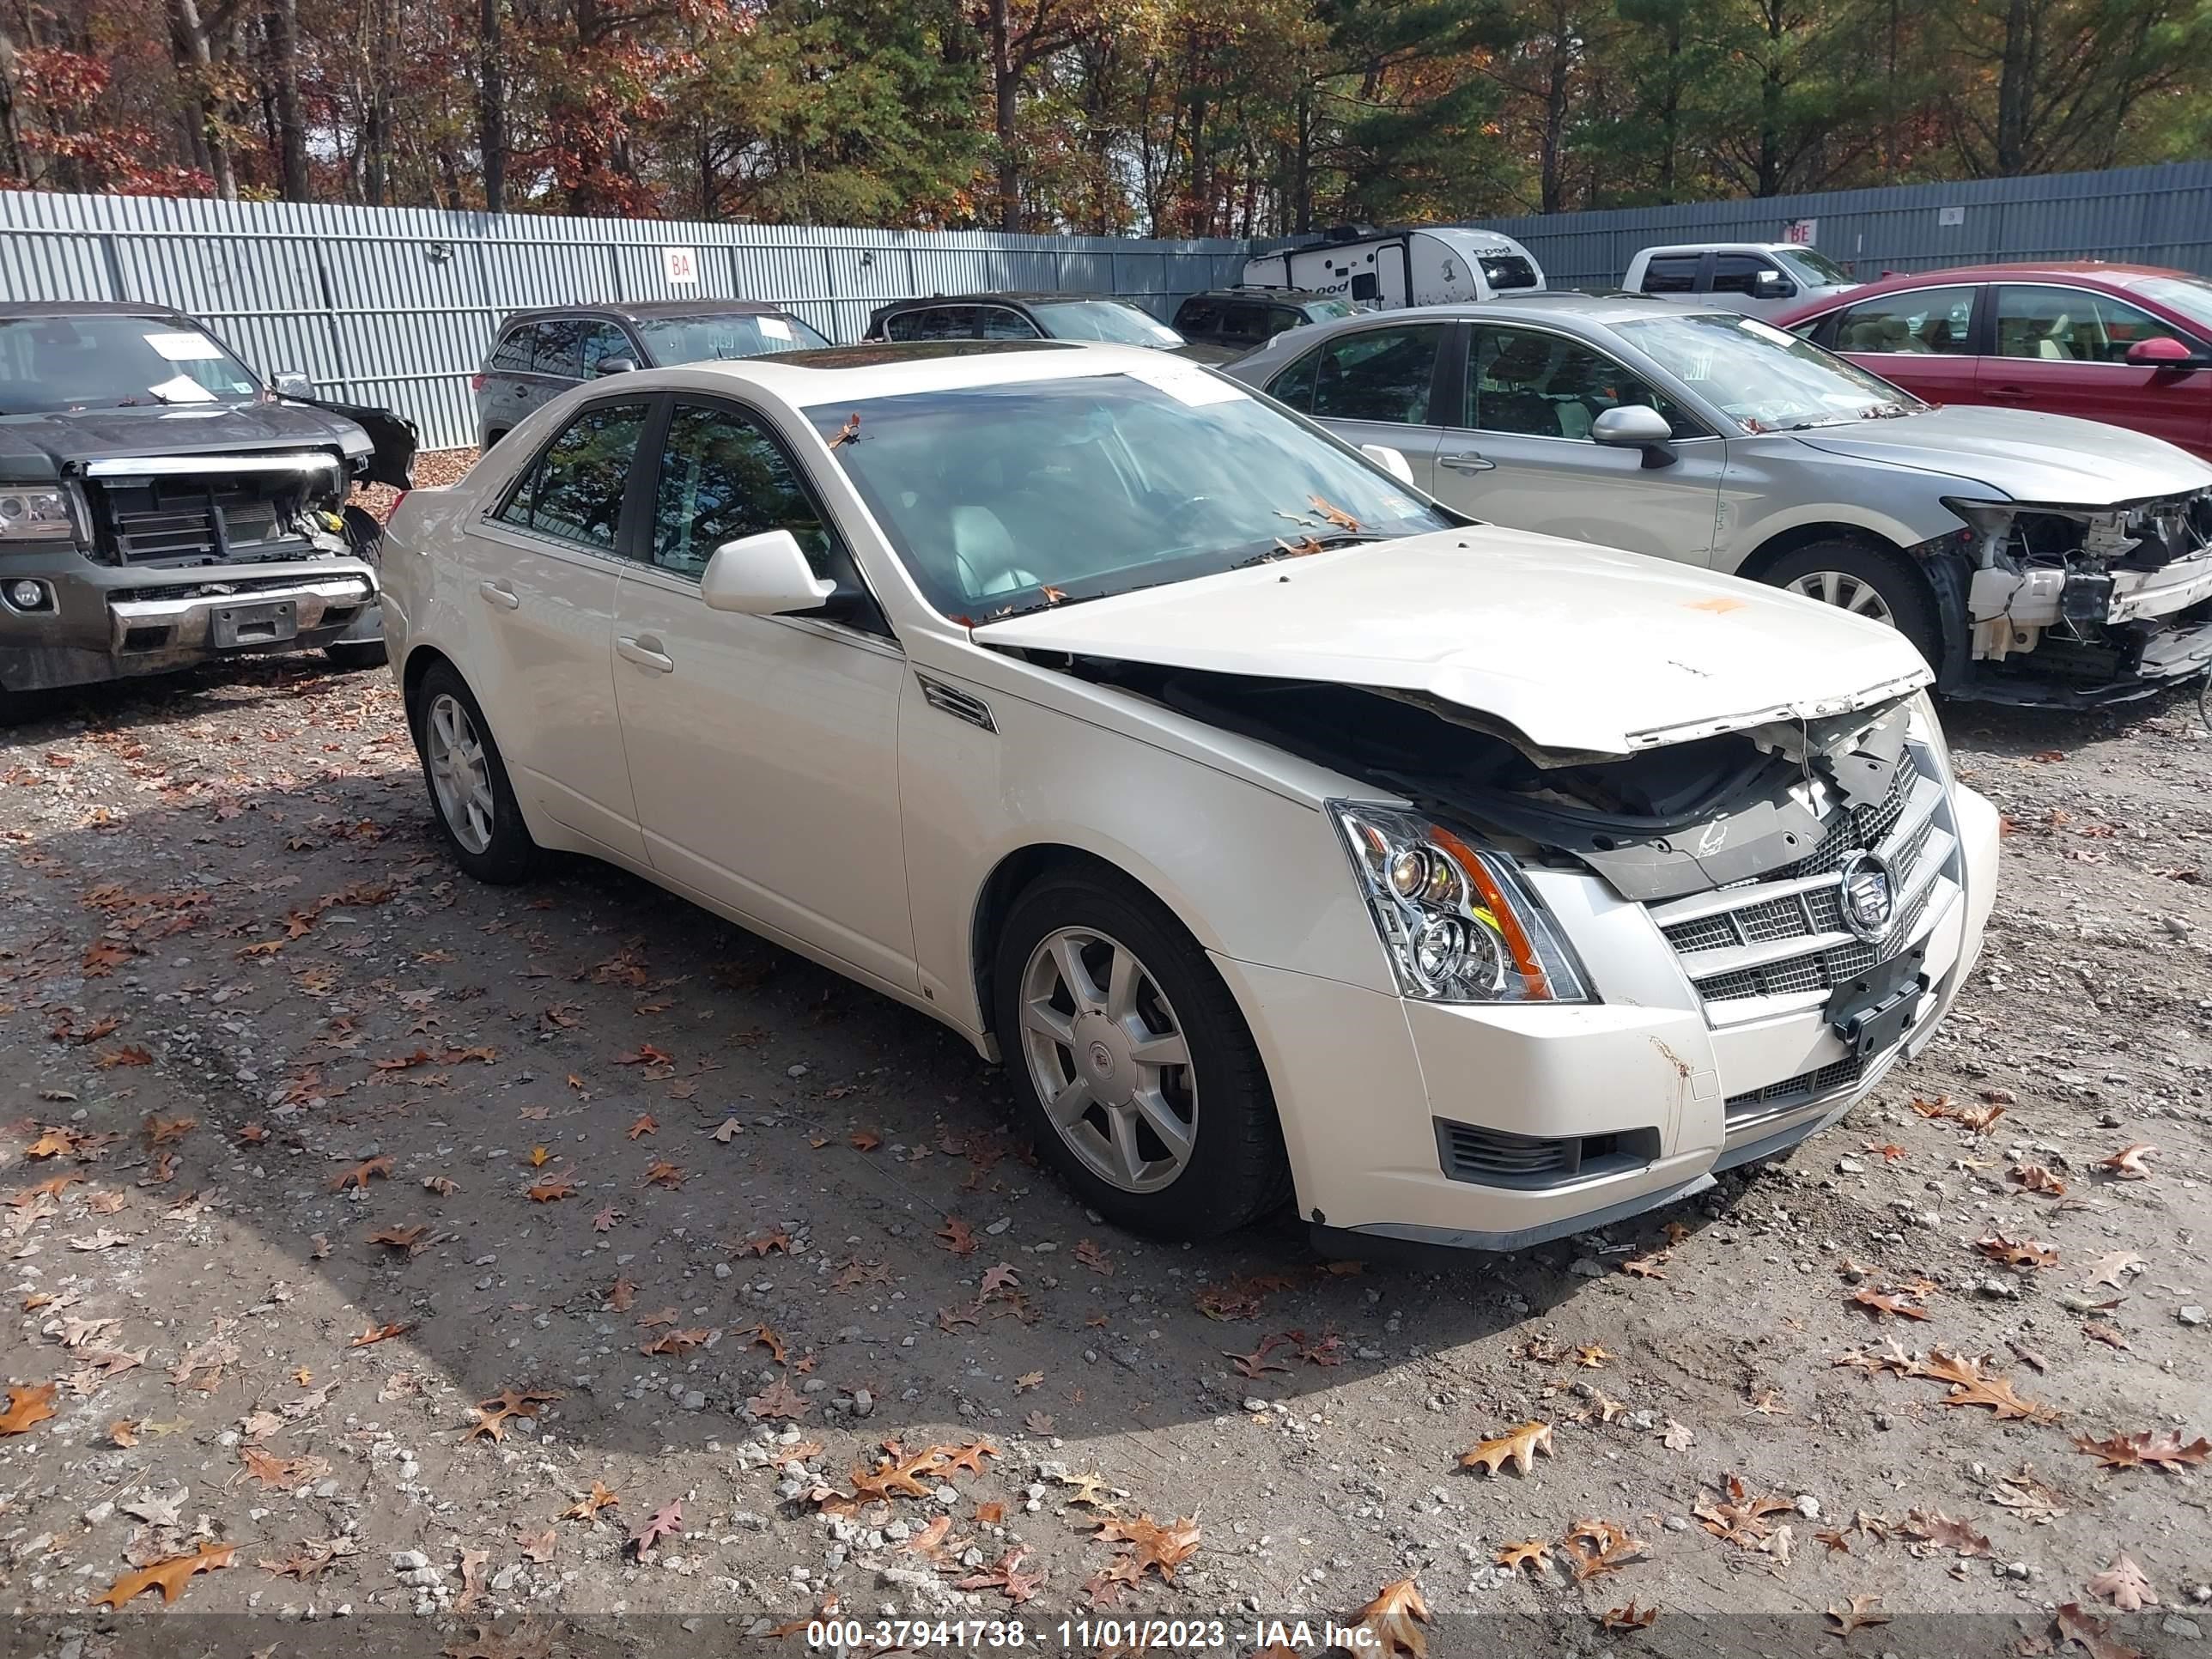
{"x":107,"y":622}
{"x":2074,"y":639}
{"x":1500,"y":1127}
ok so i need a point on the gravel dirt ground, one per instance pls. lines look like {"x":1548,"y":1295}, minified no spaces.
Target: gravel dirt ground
{"x":501,"y":1261}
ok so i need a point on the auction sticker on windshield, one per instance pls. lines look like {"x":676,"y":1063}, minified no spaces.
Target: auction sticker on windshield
{"x":1193,"y":386}
{"x":180,"y":347}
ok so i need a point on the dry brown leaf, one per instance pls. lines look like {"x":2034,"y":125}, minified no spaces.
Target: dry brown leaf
{"x":1519,"y":1447}
{"x":600,"y":1498}
{"x":492,"y":1413}
{"x":167,"y":1575}
{"x":1969,"y":1387}
{"x":1738,"y":1518}
{"x":2165,"y":1451}
{"x":1879,"y":1302}
{"x":281,"y":1474}
{"x":1859,"y":1613}
{"x":361,"y":1174}
{"x":1394,"y":1619}
{"x":1595,"y":1547}
{"x":2125,"y":1585}
{"x":1528,"y":1552}
{"x":778,"y":1399}
{"x":1163,"y":1548}
{"x":1943,"y":1532}
{"x":26,"y":1405}
{"x":2091,"y":1634}
{"x":666,"y":1522}
{"x":2127,"y":1164}
{"x":1628,"y":1618}
{"x":2024,"y":1253}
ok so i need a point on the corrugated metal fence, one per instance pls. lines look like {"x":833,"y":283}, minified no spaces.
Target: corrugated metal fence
{"x":2160,"y":216}
{"x":396,"y":305}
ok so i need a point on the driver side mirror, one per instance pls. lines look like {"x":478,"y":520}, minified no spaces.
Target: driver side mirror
{"x":616,"y":366}
{"x":763,"y":575}
{"x":291,"y":383}
{"x":2161,"y":351}
{"x":1773,"y":284}
{"x":1637,"y":425}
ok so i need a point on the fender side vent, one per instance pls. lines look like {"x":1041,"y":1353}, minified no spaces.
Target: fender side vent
{"x":1498,"y":1158}
{"x":958,"y":704}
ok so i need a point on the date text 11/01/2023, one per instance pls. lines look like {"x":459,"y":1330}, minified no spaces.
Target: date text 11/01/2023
{"x":1086,"y":1635}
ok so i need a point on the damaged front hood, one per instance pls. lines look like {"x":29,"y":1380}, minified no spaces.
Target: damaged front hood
{"x":2052,"y":460}
{"x":1570,"y":650}
{"x":74,"y":437}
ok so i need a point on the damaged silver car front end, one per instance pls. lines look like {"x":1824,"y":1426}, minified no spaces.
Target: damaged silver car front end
{"x":2077,"y":605}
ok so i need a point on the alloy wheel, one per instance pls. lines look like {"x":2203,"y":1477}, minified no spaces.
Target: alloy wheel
{"x":1109,"y":1059}
{"x":1853,"y":594}
{"x":460,"y":771}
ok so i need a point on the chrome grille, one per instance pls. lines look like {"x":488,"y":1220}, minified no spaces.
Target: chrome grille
{"x":1734,"y":942}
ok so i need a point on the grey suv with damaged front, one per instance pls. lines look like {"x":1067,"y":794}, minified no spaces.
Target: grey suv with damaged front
{"x":2033,"y":558}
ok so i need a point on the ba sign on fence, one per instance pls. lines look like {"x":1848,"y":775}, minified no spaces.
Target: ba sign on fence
{"x":679,"y":265}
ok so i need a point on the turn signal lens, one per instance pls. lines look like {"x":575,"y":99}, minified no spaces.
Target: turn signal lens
{"x":1457,"y":922}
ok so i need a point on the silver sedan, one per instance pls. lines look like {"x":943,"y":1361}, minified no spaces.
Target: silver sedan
{"x":2033,"y":558}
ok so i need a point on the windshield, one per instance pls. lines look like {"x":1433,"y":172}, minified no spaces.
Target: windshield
{"x":1007,"y":498}
{"x":1322,"y":311}
{"x":52,"y":363}
{"x":1102,"y":320}
{"x":1507,"y":270}
{"x":1764,"y":379}
{"x":703,"y":339}
{"x":1813,"y":270}
{"x":2189,"y":295}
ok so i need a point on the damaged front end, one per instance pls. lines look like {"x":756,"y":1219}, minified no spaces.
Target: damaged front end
{"x":2076,"y":605}
{"x":1795,"y":872}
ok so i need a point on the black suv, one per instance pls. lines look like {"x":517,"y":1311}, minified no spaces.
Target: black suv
{"x":159,"y":504}
{"x":1241,"y":318}
{"x":541,"y":354}
{"x":1022,"y":317}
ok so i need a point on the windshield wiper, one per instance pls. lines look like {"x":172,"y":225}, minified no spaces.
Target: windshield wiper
{"x":1311,"y":544}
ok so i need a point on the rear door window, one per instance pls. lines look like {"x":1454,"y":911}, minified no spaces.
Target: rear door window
{"x":1378,"y":374}
{"x":557,"y":347}
{"x":573,"y":490}
{"x":1198,"y":315}
{"x":2073,"y":325}
{"x":1919,"y":320}
{"x":512,"y":354}
{"x":1671,"y":273}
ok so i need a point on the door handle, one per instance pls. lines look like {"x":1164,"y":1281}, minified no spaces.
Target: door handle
{"x":1469,"y":462}
{"x":645,"y":650}
{"x":522,"y":392}
{"x":499,"y":594}
{"x":2011,"y":393}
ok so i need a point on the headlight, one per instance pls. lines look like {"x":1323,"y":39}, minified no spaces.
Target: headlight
{"x":1457,"y":924}
{"x":1925,"y":729}
{"x":35,"y":515}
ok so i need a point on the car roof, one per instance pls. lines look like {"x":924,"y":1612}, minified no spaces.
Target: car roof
{"x":1557,"y":304}
{"x":845,"y":375}
{"x":649,"y":310}
{"x":1013,"y":297}
{"x":1724,"y":247}
{"x":2114,"y":274}
{"x":13,"y":309}
{"x":1289,"y":296}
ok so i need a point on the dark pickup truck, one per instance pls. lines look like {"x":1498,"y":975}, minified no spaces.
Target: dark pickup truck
{"x":161,"y":506}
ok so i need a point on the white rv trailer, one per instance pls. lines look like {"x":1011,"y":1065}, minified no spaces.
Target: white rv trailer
{"x":1387,"y":268}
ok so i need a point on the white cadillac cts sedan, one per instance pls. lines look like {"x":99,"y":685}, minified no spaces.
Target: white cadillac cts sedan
{"x":1281,"y":830}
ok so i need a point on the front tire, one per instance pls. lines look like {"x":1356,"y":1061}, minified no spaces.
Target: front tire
{"x":1877,"y":583}
{"x":470,"y":793}
{"x":1130,"y":1062}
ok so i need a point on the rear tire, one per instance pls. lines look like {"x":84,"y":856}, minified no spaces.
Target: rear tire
{"x":1165,"y":1123}
{"x":1875,"y":582}
{"x":469,"y":794}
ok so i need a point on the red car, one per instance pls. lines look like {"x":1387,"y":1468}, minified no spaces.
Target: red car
{"x":2127,"y":344}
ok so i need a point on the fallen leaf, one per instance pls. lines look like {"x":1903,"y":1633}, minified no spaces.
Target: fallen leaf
{"x":2020,"y":1254}
{"x":167,"y":1575}
{"x":2124,"y":1586}
{"x":1969,"y":1387}
{"x":2091,"y":1634}
{"x":537,"y":1545}
{"x":400,"y":1239}
{"x":1629,"y":1617}
{"x":591,"y":1504}
{"x":1596,"y":1546}
{"x":2107,"y":1269}
{"x":1857,"y":1613}
{"x":2163,"y":1451}
{"x":492,"y":1413}
{"x":1879,"y":1302}
{"x":2127,"y":1164}
{"x":1943,"y":1532}
{"x":1519,"y":1447}
{"x":1393,"y":1620}
{"x":958,"y":1236}
{"x":1738,"y":1518}
{"x":1005,"y":1576}
{"x":644,"y":1126}
{"x":281,"y":1474}
{"x":382,"y":1334}
{"x":26,"y":1405}
{"x":778,"y":1399}
{"x":552,"y":1189}
{"x":362,"y":1173}
{"x":1528,"y":1552}
{"x":1677,"y":1438}
{"x":666,"y":1522}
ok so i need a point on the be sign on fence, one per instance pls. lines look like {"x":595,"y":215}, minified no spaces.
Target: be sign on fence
{"x":1802,"y":232}
{"x":679,"y":265}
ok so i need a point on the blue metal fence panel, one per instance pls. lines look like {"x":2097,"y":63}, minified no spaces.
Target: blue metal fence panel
{"x":396,"y":306}
{"x":2155,"y":215}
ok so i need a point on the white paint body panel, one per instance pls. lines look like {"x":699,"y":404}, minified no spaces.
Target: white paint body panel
{"x":797,"y":778}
